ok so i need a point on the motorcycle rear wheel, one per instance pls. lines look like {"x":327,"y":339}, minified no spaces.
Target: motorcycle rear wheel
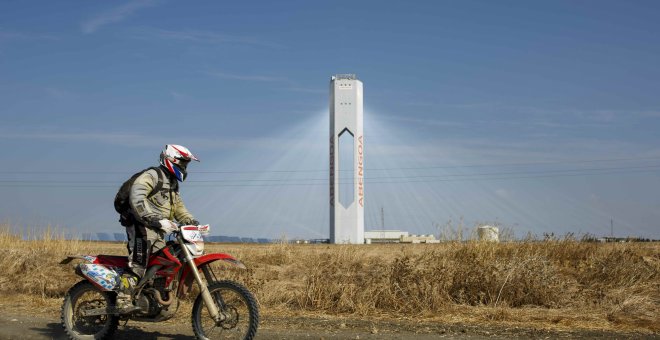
{"x":84,"y":295}
{"x":239,"y":306}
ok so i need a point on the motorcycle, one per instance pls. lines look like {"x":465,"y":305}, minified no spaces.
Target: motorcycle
{"x":222,"y":309}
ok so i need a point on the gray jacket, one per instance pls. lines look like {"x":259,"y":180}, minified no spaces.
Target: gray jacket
{"x":165,"y":204}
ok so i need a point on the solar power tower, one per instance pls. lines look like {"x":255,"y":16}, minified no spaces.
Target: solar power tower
{"x":346,"y":160}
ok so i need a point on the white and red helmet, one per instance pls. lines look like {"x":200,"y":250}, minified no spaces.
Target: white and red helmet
{"x":175,"y":159}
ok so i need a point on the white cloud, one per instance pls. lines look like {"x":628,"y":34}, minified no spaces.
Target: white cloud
{"x":59,"y":94}
{"x":104,"y":137}
{"x":114,"y":15}
{"x":202,"y":37}
{"x":502,"y":193}
{"x":246,"y":77}
{"x":307,"y":90}
{"x":8,"y":35}
{"x":651,"y":113}
{"x":424,"y":121}
{"x":178,"y":95}
{"x":283,"y":143}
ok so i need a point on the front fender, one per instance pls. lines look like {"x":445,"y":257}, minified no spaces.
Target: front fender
{"x":208,"y":258}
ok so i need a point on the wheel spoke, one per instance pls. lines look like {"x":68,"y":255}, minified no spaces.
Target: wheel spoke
{"x":89,"y":324}
{"x":238,"y":309}
{"x":85,"y":297}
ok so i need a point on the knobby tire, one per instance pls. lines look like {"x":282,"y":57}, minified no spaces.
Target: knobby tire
{"x":106,"y":324}
{"x":225,"y":288}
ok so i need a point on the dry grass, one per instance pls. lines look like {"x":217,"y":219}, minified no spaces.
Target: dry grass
{"x":556,"y":284}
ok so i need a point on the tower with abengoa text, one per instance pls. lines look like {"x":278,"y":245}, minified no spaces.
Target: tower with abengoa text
{"x":346,"y":160}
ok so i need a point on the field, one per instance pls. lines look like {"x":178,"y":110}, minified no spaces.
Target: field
{"x":550,"y":285}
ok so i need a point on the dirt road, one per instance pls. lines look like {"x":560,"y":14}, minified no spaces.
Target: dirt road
{"x":26,"y":327}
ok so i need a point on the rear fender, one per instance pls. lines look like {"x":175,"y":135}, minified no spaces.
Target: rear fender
{"x":187,"y":277}
{"x":104,"y":271}
{"x":87,"y":258}
{"x":105,"y":278}
{"x":107,"y":260}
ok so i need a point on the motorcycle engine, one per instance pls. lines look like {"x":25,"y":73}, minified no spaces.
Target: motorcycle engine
{"x":149,"y":305}
{"x":147,"y":302}
{"x":159,"y":284}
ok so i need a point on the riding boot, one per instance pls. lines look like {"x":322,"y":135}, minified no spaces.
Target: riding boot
{"x":125,"y":290}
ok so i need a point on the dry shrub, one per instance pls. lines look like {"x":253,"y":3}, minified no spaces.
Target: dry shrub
{"x":473,"y":274}
{"x":638,"y":309}
{"x":339,"y":282}
{"x":619,"y":267}
{"x":417,"y":283}
{"x":492,"y":274}
{"x":279,"y":254}
{"x":30,"y":266}
{"x":569,"y":283}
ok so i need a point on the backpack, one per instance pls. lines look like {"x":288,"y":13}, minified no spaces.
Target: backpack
{"x":122,"y":199}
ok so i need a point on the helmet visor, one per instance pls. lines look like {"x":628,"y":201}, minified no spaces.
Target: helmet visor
{"x":183,"y":163}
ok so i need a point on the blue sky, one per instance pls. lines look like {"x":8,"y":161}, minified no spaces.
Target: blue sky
{"x":539,"y":116}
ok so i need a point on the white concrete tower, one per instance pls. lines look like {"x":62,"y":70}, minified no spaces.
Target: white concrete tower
{"x":346,"y":160}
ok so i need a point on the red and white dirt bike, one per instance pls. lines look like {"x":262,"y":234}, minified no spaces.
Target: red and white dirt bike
{"x":222,"y":309}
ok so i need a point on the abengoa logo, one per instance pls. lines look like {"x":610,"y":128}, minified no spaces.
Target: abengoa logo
{"x":361,"y":171}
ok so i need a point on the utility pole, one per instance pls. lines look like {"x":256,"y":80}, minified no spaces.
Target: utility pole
{"x":382,"y":218}
{"x":612,"y":228}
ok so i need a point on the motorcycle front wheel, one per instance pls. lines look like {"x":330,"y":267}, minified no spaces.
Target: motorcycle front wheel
{"x":239,"y":310}
{"x":85,"y":296}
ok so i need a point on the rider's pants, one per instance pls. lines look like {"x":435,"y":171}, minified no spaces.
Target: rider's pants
{"x":142,"y":242}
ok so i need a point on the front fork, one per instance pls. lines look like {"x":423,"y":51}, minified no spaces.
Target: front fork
{"x":204,"y":290}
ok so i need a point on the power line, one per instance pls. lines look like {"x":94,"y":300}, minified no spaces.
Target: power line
{"x":521,"y":163}
{"x":77,"y":172}
{"x":396,"y":181}
{"x":365,"y":178}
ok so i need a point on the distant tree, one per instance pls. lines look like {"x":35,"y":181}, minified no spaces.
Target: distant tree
{"x":103,"y":237}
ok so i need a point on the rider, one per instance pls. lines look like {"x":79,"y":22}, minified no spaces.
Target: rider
{"x":154,"y":213}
